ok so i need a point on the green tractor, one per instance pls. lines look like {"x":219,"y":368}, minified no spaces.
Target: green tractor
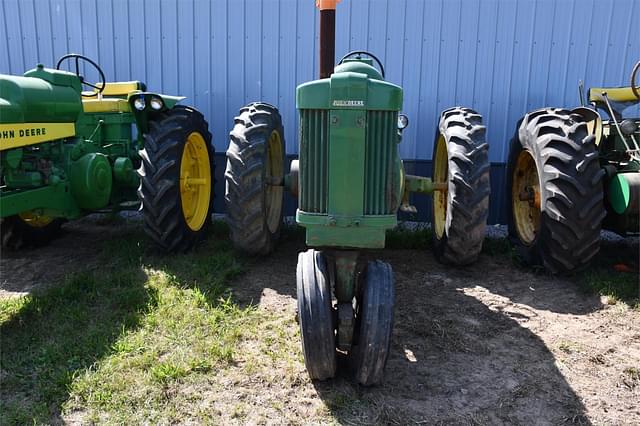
{"x":350,"y":183}
{"x":65,"y":153}
{"x":571,"y":174}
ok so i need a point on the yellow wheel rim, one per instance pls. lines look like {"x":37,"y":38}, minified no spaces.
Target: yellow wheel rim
{"x":525,"y":198}
{"x":440,"y":175}
{"x":35,"y":220}
{"x":195,"y":181}
{"x":275,"y":171}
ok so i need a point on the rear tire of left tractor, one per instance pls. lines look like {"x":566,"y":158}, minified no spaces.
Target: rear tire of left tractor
{"x":461,"y":161}
{"x":176,"y":179}
{"x":17,"y":233}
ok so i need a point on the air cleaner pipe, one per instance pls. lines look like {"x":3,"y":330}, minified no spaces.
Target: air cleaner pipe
{"x":327,"y":35}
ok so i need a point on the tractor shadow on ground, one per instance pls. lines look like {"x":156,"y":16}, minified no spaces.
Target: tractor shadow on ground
{"x":455,"y":360}
{"x":64,"y":329}
{"x":87,"y":289}
{"x":563,"y":294}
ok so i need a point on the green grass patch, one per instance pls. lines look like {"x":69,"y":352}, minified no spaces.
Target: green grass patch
{"x":402,"y":238}
{"x":603,"y":278}
{"x":112,"y":342}
{"x":617,"y":286}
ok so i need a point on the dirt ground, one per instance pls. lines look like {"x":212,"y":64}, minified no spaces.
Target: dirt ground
{"x":488,"y":344}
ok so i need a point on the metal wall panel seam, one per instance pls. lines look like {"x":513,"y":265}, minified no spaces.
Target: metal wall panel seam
{"x":626,"y":44}
{"x":566,"y":63}
{"x":21,"y":32}
{"x":6,"y":36}
{"x":51,"y":28}
{"x":548,"y":73}
{"x":607,"y":42}
{"x":505,"y":120}
{"x":419,"y":94}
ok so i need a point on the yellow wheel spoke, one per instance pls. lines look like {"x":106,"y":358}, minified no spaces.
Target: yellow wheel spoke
{"x":35,"y":220}
{"x":525,"y":196}
{"x":441,"y":180}
{"x":195,"y":181}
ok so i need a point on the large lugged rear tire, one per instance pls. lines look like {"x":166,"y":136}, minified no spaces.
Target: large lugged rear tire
{"x":460,"y":160}
{"x":24,"y":231}
{"x":254,"y":178}
{"x":555,"y":191}
{"x":176,"y":179}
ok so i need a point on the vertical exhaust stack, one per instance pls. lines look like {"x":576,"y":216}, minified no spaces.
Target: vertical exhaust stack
{"x":327,"y":35}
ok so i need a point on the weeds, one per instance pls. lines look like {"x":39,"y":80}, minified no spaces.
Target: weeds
{"x":109,"y":342}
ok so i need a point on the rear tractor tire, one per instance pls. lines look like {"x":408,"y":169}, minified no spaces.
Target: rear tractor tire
{"x":176,"y":179}
{"x":254,"y":177}
{"x":28,"y":230}
{"x":555,"y":191}
{"x":461,"y":161}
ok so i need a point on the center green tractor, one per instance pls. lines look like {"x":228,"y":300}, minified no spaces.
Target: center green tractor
{"x":571,"y":174}
{"x":65,"y":153}
{"x":350,"y":183}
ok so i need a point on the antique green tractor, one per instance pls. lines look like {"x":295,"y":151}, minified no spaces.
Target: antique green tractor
{"x":65,"y":152}
{"x":350,"y":183}
{"x":571,"y":174}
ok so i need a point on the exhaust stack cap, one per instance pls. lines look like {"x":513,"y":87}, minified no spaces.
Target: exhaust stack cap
{"x":327,"y":4}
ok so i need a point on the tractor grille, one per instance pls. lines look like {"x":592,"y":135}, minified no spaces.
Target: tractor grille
{"x":381,"y":136}
{"x":314,"y":176}
{"x":314,"y":158}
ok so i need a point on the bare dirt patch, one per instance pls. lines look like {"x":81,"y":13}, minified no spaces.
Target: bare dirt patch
{"x":488,"y":344}
{"x":23,"y":271}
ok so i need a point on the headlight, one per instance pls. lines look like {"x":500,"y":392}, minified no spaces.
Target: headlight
{"x":139,"y":103}
{"x":403,"y":121}
{"x":156,"y":103}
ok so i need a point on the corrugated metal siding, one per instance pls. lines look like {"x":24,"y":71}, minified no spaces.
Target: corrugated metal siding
{"x":502,"y":57}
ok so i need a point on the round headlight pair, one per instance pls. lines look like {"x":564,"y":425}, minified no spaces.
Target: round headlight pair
{"x":155,"y":102}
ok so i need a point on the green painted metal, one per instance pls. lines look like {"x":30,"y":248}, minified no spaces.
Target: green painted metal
{"x":346,"y":163}
{"x":350,"y":171}
{"x":345,"y":262}
{"x":91,"y":180}
{"x":419,"y":184}
{"x":361,"y":238}
{"x":50,"y":200}
{"x":41,"y":96}
{"x":619,"y":193}
{"x":359,"y":66}
{"x":71,"y":176}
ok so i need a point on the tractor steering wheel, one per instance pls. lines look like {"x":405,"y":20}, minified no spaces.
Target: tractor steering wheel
{"x":77,"y":58}
{"x":634,"y":74}
{"x":364,"y":52}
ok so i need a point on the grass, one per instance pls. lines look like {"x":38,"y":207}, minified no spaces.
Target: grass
{"x":603,"y":279}
{"x":112,"y":343}
{"x":160,"y":339}
{"x":616,"y":286}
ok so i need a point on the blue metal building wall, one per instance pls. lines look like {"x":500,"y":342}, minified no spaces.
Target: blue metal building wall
{"x":501,"y":57}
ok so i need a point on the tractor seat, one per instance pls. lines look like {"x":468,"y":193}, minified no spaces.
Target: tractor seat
{"x":615,"y":94}
{"x":113,"y":98}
